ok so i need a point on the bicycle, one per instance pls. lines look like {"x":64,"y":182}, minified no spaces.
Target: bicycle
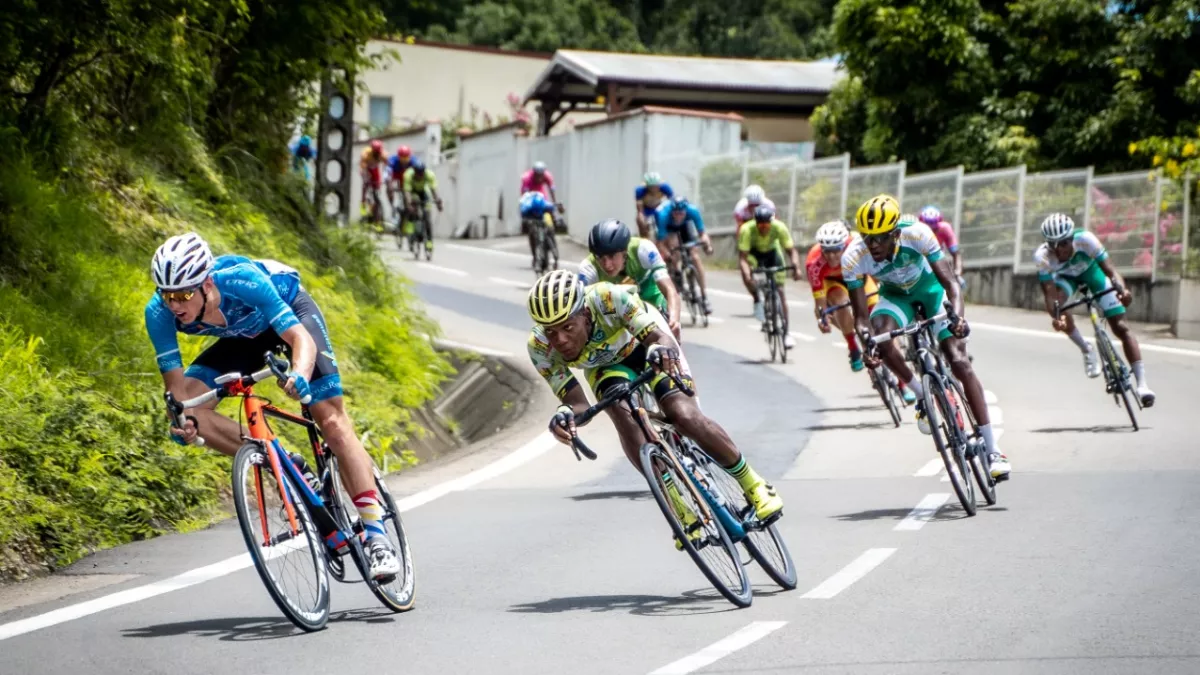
{"x":374,"y":207}
{"x":686,"y":280}
{"x":267,"y":482}
{"x":420,"y":239}
{"x":1118,"y":378}
{"x":882,"y":380}
{"x":543,"y":245}
{"x":963,"y":453}
{"x":712,"y":494}
{"x":775,"y":323}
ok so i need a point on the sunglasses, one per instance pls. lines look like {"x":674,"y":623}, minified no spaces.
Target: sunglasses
{"x":878,"y":238}
{"x":179,"y":296}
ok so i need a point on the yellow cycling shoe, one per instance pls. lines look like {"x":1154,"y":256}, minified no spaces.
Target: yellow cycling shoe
{"x":689,"y":519}
{"x":764,"y":500}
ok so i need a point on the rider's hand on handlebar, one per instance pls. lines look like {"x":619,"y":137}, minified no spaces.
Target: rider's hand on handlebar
{"x":1059,"y":323}
{"x":297,"y":388}
{"x":439,"y":203}
{"x":664,"y":359}
{"x":562,"y":425}
{"x":186,"y":435}
{"x":823,"y":324}
{"x":559,"y":206}
{"x":1124,"y":296}
{"x":960,"y":328}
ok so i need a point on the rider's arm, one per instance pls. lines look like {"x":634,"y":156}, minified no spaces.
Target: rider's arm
{"x":304,"y":350}
{"x":558,"y":376}
{"x":1089,"y":244}
{"x":796,"y":264}
{"x":949,"y":281}
{"x":743,"y":246}
{"x":1106,"y":267}
{"x":587,"y":272}
{"x":854,"y":278}
{"x":653,"y":263}
{"x":1049,"y":294}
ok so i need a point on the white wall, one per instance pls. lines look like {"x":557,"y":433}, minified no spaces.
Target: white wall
{"x":607,"y":162}
{"x":488,"y":180}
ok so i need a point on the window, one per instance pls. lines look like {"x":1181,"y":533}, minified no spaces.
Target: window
{"x":380,"y":113}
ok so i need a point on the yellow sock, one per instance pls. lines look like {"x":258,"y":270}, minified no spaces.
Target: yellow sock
{"x":745,"y":474}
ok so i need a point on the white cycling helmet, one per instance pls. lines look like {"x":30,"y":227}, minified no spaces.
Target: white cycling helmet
{"x":184,"y":261}
{"x":754,"y":195}
{"x":1057,"y":226}
{"x":833,"y":235}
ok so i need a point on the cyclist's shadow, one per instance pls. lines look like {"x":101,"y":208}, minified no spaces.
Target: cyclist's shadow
{"x":700,"y":601}
{"x":250,"y":629}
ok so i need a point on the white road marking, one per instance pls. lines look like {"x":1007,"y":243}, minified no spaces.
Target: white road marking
{"x":743,"y":295}
{"x":990,"y":397}
{"x":931,"y":468}
{"x":945,"y":478}
{"x":799,"y":336}
{"x":506,"y":254}
{"x":721,"y":648}
{"x":444,"y":270}
{"x":996,"y":414}
{"x":849,"y":574}
{"x":924,"y":511}
{"x":534,"y":448}
{"x":509,"y":282}
{"x":1057,"y":336}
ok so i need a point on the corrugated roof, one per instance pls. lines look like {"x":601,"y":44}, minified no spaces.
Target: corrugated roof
{"x":694,"y":72}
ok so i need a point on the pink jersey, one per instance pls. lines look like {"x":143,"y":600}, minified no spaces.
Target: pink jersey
{"x":946,"y":237}
{"x":742,"y":211}
{"x":547,"y":184}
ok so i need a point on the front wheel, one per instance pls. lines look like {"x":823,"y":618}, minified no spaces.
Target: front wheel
{"x":290,"y":561}
{"x":1117,"y":375}
{"x":879,"y":381}
{"x":713,"y":551}
{"x":398,"y":595}
{"x":944,"y":424}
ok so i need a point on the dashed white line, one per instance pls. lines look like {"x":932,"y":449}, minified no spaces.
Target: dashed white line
{"x":746,"y":296}
{"x":849,"y":574}
{"x":721,"y":648}
{"x":924,"y":510}
{"x":798,"y":336}
{"x":444,"y":270}
{"x":510,"y":282}
{"x":932,"y":468}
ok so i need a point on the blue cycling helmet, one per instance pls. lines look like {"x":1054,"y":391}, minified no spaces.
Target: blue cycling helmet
{"x":305,"y":141}
{"x":417,"y":165}
{"x":679,"y":203}
{"x":533,"y":200}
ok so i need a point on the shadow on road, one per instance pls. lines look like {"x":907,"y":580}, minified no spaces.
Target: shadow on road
{"x":1096,"y":429}
{"x":704,"y":601}
{"x":850,"y":408}
{"x":857,"y":426}
{"x":249,"y":629}
{"x":952,"y":510}
{"x":631,"y":495}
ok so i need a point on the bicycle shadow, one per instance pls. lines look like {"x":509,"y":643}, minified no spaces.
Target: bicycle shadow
{"x":250,"y":629}
{"x":857,"y":426}
{"x":950,"y":511}
{"x":631,"y":495}
{"x":851,"y":408}
{"x":1094,"y":429}
{"x":688,"y":603}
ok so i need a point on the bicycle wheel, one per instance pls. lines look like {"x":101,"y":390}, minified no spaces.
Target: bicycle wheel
{"x":715,"y":554}
{"x":981,"y":466}
{"x":1115,"y":369}
{"x":765,"y":545}
{"x":539,"y":251}
{"x":880,"y":383}
{"x":781,"y":329}
{"x":947,"y":437}
{"x":690,"y":297}
{"x":769,"y":308}
{"x":398,"y":595}
{"x":291,"y":565}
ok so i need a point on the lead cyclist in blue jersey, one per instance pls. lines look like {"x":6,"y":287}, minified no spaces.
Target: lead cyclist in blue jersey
{"x":255,"y":306}
{"x":678,"y":223}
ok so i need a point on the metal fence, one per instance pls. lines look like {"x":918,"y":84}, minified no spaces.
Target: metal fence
{"x":819,"y":194}
{"x":941,"y":189}
{"x":865,"y":182}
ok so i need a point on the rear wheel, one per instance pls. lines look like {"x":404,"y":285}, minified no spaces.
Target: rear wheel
{"x":291,"y":562}
{"x":713,"y":551}
{"x":691,"y":296}
{"x":1117,"y":375}
{"x":399,"y":594}
{"x":948,"y":437}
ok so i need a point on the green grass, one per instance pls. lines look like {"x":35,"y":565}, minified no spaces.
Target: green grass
{"x":85,"y":462}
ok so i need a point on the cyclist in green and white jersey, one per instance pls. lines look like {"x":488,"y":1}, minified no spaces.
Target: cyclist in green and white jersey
{"x":1070,"y":259}
{"x":617,"y":257}
{"x":910,"y":268}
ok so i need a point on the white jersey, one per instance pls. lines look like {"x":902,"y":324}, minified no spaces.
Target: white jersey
{"x":742,"y":211}
{"x":1087,"y":249}
{"x":648,"y":268}
{"x":908,"y":270}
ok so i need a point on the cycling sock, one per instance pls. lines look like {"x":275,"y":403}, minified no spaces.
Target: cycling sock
{"x":989,"y":438}
{"x":371,"y":512}
{"x":673,"y":491}
{"x":1077,"y":338}
{"x":851,"y":341}
{"x":746,"y":476}
{"x":1139,"y":372}
{"x":915,"y":385}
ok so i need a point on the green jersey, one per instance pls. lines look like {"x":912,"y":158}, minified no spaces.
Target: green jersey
{"x":908,"y":272}
{"x":644,"y":268}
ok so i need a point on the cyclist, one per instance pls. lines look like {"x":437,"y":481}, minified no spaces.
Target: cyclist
{"x":255,"y":306}
{"x":944,"y":230}
{"x":303,"y":153}
{"x":537,"y":211}
{"x":679,"y":223}
{"x":397,"y":165}
{"x":370,"y":165}
{"x":752,"y":198}
{"x":760,"y":246}
{"x":617,"y":257}
{"x":538,"y":179}
{"x":606,"y":331}
{"x":1073,"y":258}
{"x":911,"y":270}
{"x":419,"y":186}
{"x":647,"y":198}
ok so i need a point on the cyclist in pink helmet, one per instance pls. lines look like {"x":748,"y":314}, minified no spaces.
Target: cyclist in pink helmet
{"x":931,"y":216}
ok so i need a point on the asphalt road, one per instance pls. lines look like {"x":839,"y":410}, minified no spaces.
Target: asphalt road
{"x":540,"y":564}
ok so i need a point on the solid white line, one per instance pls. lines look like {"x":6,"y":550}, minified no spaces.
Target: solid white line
{"x":1057,"y":336}
{"x":509,"y":282}
{"x":445,"y":270}
{"x":932,"y":468}
{"x":744,"y":295}
{"x":945,"y":478}
{"x":925,"y":510}
{"x":721,"y":648}
{"x":534,"y":448}
{"x":506,"y":254}
{"x":850,"y":574}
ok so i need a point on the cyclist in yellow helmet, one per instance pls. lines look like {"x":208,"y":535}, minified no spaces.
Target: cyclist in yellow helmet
{"x":608,"y":332}
{"x":911,"y":269}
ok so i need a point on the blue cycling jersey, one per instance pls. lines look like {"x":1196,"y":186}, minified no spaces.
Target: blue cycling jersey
{"x":535,"y":205}
{"x":255,"y":296}
{"x":396,"y":168}
{"x":640,"y":191}
{"x":666,"y":222}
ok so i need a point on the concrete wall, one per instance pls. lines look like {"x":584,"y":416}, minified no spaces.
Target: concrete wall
{"x":1187,"y":323}
{"x":1152,"y":302}
{"x":608,"y":159}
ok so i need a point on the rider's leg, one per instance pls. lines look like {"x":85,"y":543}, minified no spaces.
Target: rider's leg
{"x":882,"y":322}
{"x":1133,"y":351}
{"x":700,"y":277}
{"x":218,"y":431}
{"x":955,"y":351}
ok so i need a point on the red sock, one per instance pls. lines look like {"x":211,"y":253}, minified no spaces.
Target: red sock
{"x":851,"y":341}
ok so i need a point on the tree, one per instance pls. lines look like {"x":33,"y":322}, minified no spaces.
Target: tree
{"x":544,"y":25}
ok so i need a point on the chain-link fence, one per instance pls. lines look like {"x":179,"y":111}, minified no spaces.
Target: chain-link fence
{"x":718,"y":188}
{"x":778,"y":179}
{"x":1122,"y":214}
{"x":819,"y":194}
{"x":1172,"y":230}
{"x":865,"y":182}
{"x":940,"y":189}
{"x":1046,"y":193}
{"x":991,"y":213}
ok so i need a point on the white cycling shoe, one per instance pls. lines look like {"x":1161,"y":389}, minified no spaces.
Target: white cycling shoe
{"x":789,"y":341}
{"x":1146,"y":395}
{"x":1000,"y":466}
{"x":923,"y":419}
{"x":759,"y":314}
{"x":384,"y":563}
{"x":1091,"y":364}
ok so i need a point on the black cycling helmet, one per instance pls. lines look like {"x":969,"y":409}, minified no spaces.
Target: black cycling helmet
{"x":417,"y":165}
{"x":679,"y":203}
{"x":764,"y":214}
{"x":608,"y":236}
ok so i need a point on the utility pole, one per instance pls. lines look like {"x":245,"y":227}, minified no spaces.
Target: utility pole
{"x":336,"y":139}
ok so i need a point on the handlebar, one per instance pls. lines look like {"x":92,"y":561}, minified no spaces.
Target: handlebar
{"x":616,"y":394}
{"x":227,"y":384}
{"x":833,"y":308}
{"x":1087,"y":299}
{"x":913,"y":328}
{"x":772,"y":270}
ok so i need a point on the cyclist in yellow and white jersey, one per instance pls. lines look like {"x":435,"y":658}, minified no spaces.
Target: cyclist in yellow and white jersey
{"x":607,"y":331}
{"x":911,"y":269}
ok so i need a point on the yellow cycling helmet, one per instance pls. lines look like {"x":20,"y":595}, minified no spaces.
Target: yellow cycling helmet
{"x":878,"y":215}
{"x":555,"y":297}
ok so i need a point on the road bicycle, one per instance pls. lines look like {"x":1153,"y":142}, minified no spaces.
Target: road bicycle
{"x":963,"y":451}
{"x":882,"y":380}
{"x":295,"y":526}
{"x":724,"y":516}
{"x":1118,"y":379}
{"x":685,"y":277}
{"x":420,"y":240}
{"x":545,"y":251}
{"x":775,"y":323}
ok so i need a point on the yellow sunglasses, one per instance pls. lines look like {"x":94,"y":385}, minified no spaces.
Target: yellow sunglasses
{"x":179,"y":296}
